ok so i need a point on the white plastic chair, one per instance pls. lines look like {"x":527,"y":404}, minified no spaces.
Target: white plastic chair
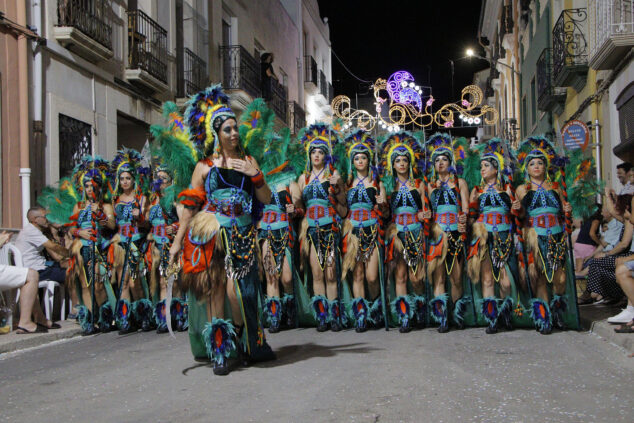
{"x":49,"y":286}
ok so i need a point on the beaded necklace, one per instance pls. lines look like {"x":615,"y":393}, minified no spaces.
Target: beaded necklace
{"x":404,"y":193}
{"x":360,"y":191}
{"x":446,"y":192}
{"x":543,"y":196}
{"x":492,"y":194}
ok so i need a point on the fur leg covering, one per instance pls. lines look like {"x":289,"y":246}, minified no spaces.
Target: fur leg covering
{"x":403,"y":309}
{"x":179,"y":314}
{"x":106,"y":317}
{"x":338,"y":317}
{"x":558,"y":306}
{"x":85,"y":321}
{"x":376,"y":312}
{"x":288,"y":310}
{"x":143,"y":314}
{"x":360,"y":311}
{"x":439,"y":311}
{"x":459,"y":310}
{"x":273,"y":308}
{"x":505,"y":312}
{"x":219,"y":340}
{"x":540,"y":313}
{"x":319,"y":305}
{"x":124,"y":317}
{"x":419,"y":303}
{"x":491,"y":313}
{"x":160,"y":317}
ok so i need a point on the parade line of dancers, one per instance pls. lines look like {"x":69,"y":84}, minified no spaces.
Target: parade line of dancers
{"x":229,"y":226}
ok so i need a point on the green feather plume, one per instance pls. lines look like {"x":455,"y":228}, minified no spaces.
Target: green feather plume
{"x":59,"y":201}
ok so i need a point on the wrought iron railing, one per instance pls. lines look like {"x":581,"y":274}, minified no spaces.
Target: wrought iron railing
{"x":610,"y":18}
{"x":240,"y":71}
{"x":544,"y":74}
{"x":296,"y":117}
{"x":89,"y":16}
{"x":323,"y":85}
{"x":277,"y":98}
{"x":147,"y":45}
{"x":331,"y":92}
{"x":310,"y":70}
{"x":194,"y":77}
{"x":569,"y":42}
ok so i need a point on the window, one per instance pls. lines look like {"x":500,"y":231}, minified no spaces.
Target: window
{"x":283,"y":78}
{"x":75,"y":142}
{"x":258,"y":50}
{"x":226,"y":33}
{"x":533,"y":102}
{"x":625,"y":106}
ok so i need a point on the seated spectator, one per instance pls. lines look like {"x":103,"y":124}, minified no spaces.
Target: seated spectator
{"x":602,"y":286}
{"x":625,"y":175}
{"x":625,"y":279}
{"x":32,"y":242}
{"x":26,"y":279}
{"x":587,"y":239}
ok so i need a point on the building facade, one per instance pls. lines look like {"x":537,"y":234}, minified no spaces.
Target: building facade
{"x":98,"y":80}
{"x":575,"y":62}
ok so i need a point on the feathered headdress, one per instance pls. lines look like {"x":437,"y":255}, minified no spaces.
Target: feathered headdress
{"x":321,"y":136}
{"x":95,"y":170}
{"x":539,"y":147}
{"x":202,"y":111}
{"x":497,"y":152}
{"x":360,"y":142}
{"x":129,"y":160}
{"x":173,"y":152}
{"x":402,"y":143}
{"x":442,"y":144}
{"x":256,"y":128}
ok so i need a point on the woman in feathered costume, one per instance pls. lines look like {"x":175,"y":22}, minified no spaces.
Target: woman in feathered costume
{"x":130,"y":208}
{"x":363,"y":237}
{"x":491,"y":257}
{"x":163,"y":213}
{"x":544,"y":205}
{"x":282,"y":164}
{"x":401,"y":158}
{"x":324,"y":198}
{"x":92,"y":217}
{"x":220,"y":240}
{"x":449,"y":198}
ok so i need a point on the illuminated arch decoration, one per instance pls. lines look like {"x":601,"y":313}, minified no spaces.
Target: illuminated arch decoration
{"x":406,"y":106}
{"x":341,"y":108}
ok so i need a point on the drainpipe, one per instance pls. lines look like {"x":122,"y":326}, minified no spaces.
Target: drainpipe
{"x":597,"y":152}
{"x":23,"y":113}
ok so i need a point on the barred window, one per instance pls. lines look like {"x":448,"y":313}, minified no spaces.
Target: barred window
{"x":75,"y":142}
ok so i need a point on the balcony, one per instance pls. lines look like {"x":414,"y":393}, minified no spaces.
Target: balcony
{"x":311,"y":83}
{"x":570,"y":49}
{"x":296,"y":117}
{"x":277,"y":98}
{"x":194,"y":75}
{"x":147,"y":52}
{"x":240,"y":74}
{"x":611,"y":32}
{"x":84,"y":27}
{"x":549,"y":97}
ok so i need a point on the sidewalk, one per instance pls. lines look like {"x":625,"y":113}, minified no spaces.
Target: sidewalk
{"x":12,"y":341}
{"x":594,"y":319}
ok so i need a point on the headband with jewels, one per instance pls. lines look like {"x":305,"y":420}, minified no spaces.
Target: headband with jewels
{"x":454,"y":149}
{"x":203,"y":110}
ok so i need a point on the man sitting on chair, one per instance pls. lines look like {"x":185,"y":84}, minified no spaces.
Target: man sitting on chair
{"x":26,"y":279}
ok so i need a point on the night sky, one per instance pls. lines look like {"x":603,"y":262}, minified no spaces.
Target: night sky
{"x":376,"y":38}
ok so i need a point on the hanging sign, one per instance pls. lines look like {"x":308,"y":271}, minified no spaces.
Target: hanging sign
{"x":575,"y":134}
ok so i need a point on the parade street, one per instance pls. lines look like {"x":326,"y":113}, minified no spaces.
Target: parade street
{"x":377,"y":376}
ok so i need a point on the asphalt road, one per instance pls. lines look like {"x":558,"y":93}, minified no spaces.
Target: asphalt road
{"x":377,"y":376}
